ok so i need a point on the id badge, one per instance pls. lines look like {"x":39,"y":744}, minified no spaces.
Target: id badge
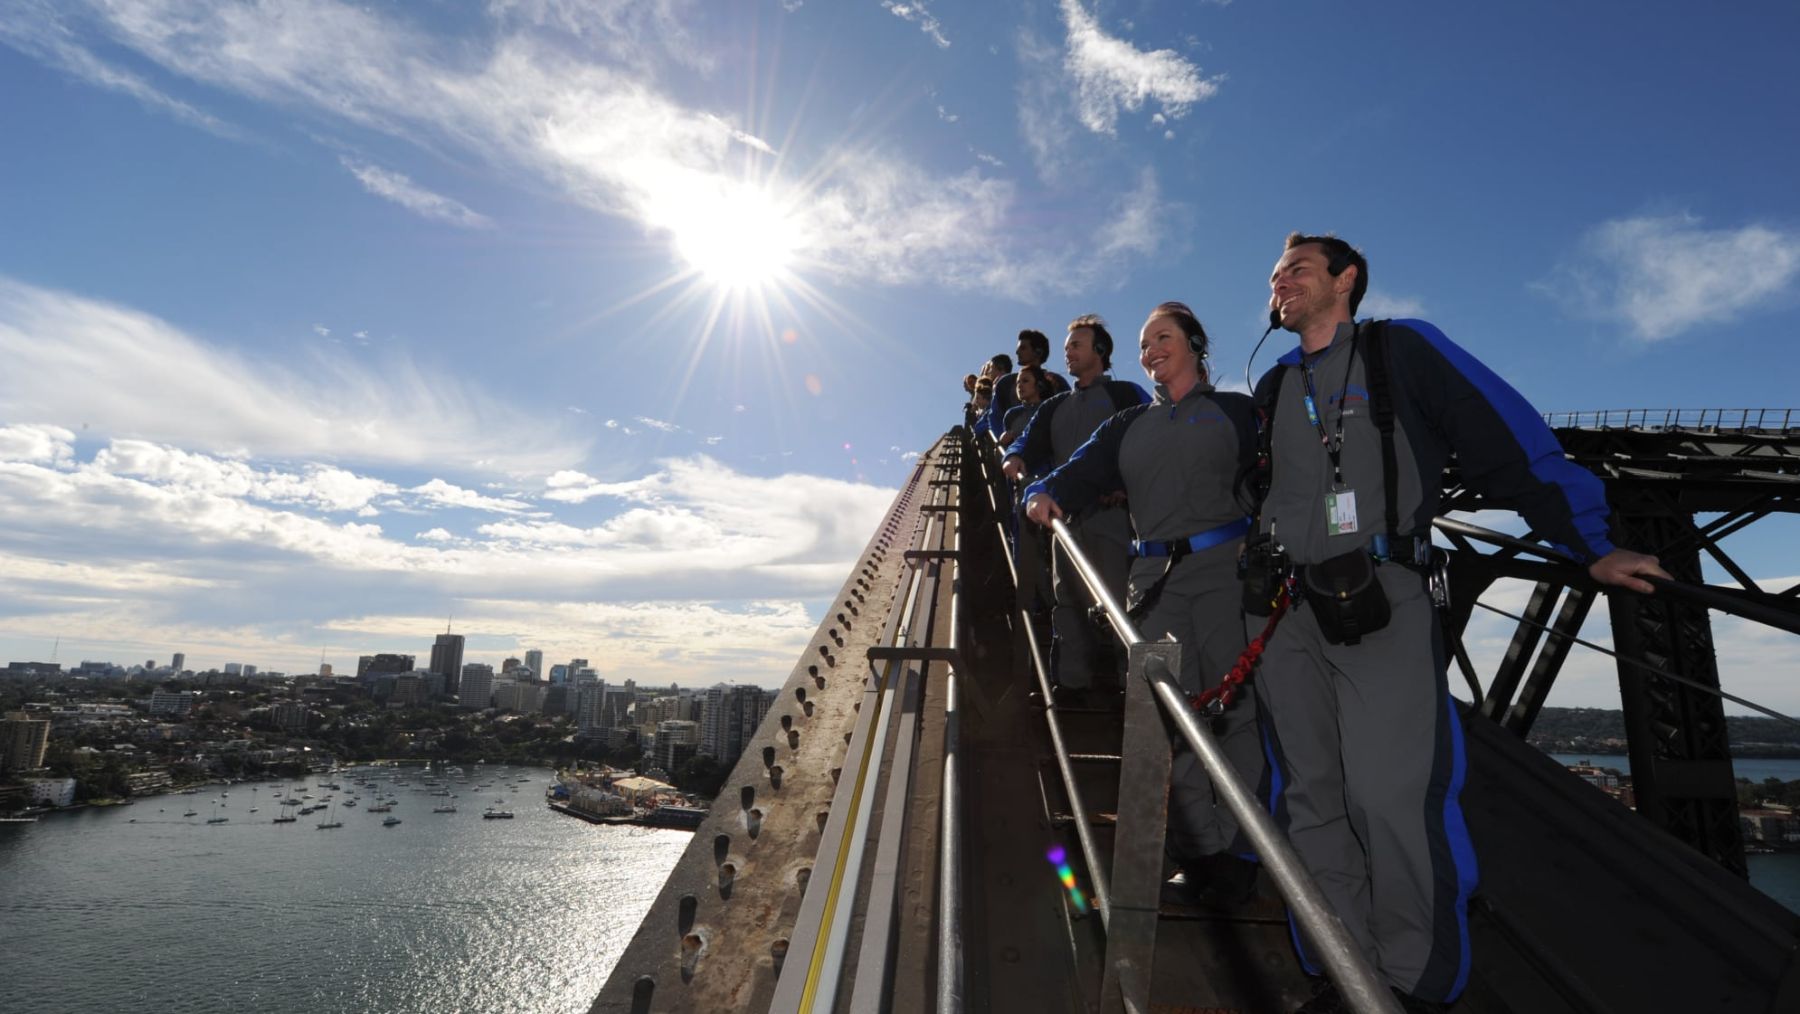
{"x":1340,"y":512}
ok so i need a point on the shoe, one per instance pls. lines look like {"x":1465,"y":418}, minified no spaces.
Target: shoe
{"x":1219,"y":881}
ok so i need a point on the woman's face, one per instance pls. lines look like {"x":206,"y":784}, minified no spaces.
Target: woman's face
{"x":1028,"y":389}
{"x":1164,"y":352}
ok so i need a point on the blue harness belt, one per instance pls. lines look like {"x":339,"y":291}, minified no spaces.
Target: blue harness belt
{"x":1194,"y":543}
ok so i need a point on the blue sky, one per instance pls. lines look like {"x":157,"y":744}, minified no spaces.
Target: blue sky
{"x":609,"y":328}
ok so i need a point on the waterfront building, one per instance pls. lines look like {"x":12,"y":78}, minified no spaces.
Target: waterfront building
{"x":146,"y":783}
{"x":447,"y":661}
{"x":174,"y":703}
{"x":476,"y":686}
{"x":23,"y":740}
{"x":52,"y":791}
{"x":289,"y":716}
{"x":534,"y":660}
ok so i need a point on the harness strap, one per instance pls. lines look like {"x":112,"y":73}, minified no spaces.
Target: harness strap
{"x":1381,"y":393}
{"x":1212,"y":703}
{"x":1193,"y":543}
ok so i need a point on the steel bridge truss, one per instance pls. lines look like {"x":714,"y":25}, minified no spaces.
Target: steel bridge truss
{"x":1664,"y":471}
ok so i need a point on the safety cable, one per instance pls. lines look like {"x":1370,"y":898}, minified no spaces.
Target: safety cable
{"x":1664,"y":673}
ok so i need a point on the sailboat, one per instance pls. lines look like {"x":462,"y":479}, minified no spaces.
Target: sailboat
{"x":217,"y":817}
{"x":330,"y":822}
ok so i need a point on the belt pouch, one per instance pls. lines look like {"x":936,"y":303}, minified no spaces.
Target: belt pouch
{"x":1262,"y":567}
{"x":1346,"y":595}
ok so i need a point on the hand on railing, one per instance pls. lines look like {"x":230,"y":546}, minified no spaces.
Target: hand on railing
{"x":1623,"y":567}
{"x":1013,"y":467}
{"x":1042,"y":509}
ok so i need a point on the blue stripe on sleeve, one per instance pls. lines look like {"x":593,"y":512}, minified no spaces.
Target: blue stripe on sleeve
{"x":1582,"y":491}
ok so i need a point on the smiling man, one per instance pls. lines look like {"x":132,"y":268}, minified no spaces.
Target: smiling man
{"x":1364,"y":741}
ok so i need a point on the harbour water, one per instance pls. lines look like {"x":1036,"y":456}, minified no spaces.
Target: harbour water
{"x":138,"y":908}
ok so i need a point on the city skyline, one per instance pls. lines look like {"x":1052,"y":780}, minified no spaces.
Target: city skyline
{"x":612,"y":329}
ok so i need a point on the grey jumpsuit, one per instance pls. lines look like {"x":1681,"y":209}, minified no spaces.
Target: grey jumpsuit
{"x":1179,"y":463}
{"x":1062,"y":424}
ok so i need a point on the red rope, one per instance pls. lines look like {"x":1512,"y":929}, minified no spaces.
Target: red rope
{"x":1216,"y":700}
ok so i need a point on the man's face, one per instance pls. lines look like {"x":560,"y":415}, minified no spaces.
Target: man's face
{"x":1026,"y":354}
{"x":1079,"y":354}
{"x":1303,"y":291}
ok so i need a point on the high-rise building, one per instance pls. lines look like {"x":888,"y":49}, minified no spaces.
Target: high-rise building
{"x":534,"y":659}
{"x":325,"y":669}
{"x":173,"y":702}
{"x":234,"y":668}
{"x":369,"y":666}
{"x":556,"y":699}
{"x":289,"y":716}
{"x":730,"y":720}
{"x":23,"y":740}
{"x":179,"y":663}
{"x":249,"y":670}
{"x":559,"y":673}
{"x":676,"y":741}
{"x":447,"y":660}
{"x":475,"y":688}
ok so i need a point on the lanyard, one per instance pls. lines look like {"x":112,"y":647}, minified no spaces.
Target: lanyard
{"x":1334,"y":443}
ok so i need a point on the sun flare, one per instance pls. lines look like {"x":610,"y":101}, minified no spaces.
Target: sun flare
{"x":737,"y":237}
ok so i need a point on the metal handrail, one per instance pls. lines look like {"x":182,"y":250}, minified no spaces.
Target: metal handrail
{"x":1084,"y":835}
{"x":1343,"y":960}
{"x":1714,"y":419}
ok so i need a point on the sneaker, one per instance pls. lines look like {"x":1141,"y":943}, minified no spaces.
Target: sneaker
{"x":1218,"y":881}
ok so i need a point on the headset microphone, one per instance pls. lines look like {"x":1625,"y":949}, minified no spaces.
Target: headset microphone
{"x":1274,"y":322}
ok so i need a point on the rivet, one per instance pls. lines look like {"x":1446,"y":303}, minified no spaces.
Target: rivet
{"x":721,"y":847}
{"x":778,"y":952}
{"x":836,"y":773}
{"x":641,"y":992}
{"x":808,"y":707}
{"x":768,"y":756}
{"x":753,"y":820}
{"x":817,"y":679}
{"x":793,"y":739}
{"x":689,"y":904}
{"x":812,"y":670}
{"x":800,"y":694}
{"x":775,"y":776}
{"x":727,"y":876}
{"x":822,"y":816}
{"x":747,"y":796}
{"x":801,"y":877}
{"x":787,"y":723}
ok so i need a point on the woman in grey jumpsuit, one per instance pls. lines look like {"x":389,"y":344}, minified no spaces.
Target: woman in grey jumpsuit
{"x":1179,"y":459}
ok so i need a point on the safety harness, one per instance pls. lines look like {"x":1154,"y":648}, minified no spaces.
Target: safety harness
{"x":1213,"y":702}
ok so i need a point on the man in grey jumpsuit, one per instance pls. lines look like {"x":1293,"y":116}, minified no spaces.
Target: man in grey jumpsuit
{"x":1364,"y":744}
{"x":1062,"y":424}
{"x":1178,"y":459}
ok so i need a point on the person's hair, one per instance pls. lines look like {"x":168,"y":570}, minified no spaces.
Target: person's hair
{"x":1040,"y":342}
{"x":984,"y":386}
{"x":1003,"y":361}
{"x":1338,"y":256}
{"x":1103,"y":339}
{"x":1038,"y":377}
{"x":1190,"y":325}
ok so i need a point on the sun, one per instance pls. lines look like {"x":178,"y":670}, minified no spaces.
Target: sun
{"x":735,"y":236}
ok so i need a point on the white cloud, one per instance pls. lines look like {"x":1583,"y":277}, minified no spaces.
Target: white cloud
{"x":36,"y":442}
{"x":76,"y":359}
{"x":946,"y":115}
{"x":444,"y":494}
{"x":435,"y":535}
{"x":1378,"y":304}
{"x":659,"y":425}
{"x":917,"y":12}
{"x":1663,"y":275}
{"x":401,"y":190}
{"x":606,"y":135}
{"x":1111,"y":75}
{"x":47,"y":39}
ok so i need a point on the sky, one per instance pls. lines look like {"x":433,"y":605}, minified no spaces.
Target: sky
{"x":612,"y":328}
